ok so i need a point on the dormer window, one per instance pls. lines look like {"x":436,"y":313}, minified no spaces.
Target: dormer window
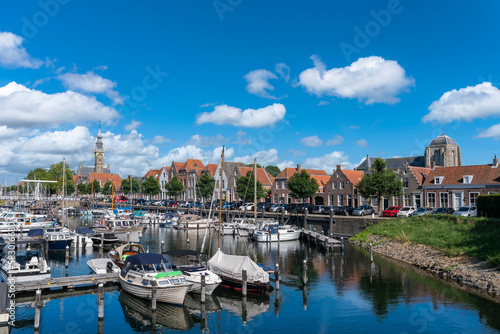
{"x":338,"y":175}
{"x":468,"y":178}
{"x":438,"y":179}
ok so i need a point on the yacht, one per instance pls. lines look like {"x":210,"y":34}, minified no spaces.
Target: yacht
{"x":23,"y":266}
{"x":269,"y":232}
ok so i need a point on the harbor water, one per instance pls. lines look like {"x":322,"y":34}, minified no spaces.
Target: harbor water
{"x":345,"y":293}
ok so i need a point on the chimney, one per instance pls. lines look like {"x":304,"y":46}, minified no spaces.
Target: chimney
{"x":299,"y":169}
{"x":79,"y":167}
{"x":109,"y":169}
{"x":339,"y":167}
{"x":495,"y":161}
{"x":433,"y":164}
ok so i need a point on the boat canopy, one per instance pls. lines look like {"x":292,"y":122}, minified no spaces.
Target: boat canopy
{"x":233,"y":265}
{"x":84,"y":230}
{"x":35,"y":232}
{"x":145,"y":259}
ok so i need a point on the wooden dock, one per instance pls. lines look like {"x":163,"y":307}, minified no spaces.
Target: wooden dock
{"x":320,"y":239}
{"x":70,"y":282}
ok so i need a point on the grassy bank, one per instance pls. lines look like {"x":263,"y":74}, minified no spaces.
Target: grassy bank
{"x":453,"y":235}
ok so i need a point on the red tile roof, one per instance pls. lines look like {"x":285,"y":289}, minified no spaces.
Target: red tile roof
{"x":193,"y":164}
{"x":354,"y":176}
{"x":420,"y":173}
{"x":482,"y":174}
{"x":154,"y":173}
{"x":177,"y":165}
{"x":212,"y":169}
{"x":103,"y":178}
{"x":262,"y":175}
{"x":289,"y":171}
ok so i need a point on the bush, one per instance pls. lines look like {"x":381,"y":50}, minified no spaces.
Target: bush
{"x":489,"y":205}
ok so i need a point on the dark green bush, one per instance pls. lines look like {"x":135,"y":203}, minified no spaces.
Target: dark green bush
{"x":488,"y":205}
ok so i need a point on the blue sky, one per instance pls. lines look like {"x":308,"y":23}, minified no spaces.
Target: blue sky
{"x":318,"y":83}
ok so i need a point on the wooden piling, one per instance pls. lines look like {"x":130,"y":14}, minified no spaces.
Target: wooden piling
{"x":188,"y":244}
{"x":330,"y":228}
{"x":371,"y":252}
{"x":282,"y":216}
{"x":244,"y":282}
{"x":66,"y":260}
{"x":305,"y":217}
{"x":202,"y":277}
{"x":153,"y":295}
{"x":162,"y":247}
{"x":304,"y":272}
{"x":128,"y":237}
{"x":38,"y":306}
{"x":244,"y":309}
{"x":100,"y":307}
{"x":277,"y":276}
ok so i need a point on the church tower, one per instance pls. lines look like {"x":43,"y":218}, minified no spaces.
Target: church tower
{"x":443,"y":151}
{"x":99,"y":153}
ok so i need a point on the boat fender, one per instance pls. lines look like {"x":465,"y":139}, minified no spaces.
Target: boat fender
{"x":102,"y":221}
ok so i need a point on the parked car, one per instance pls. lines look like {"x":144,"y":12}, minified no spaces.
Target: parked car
{"x":422,"y":211}
{"x":318,"y":209}
{"x":406,"y":211}
{"x":246,"y":206}
{"x":345,"y":210}
{"x":275,"y":207}
{"x":174,"y":204}
{"x":466,"y":211}
{"x":391,"y":211}
{"x":120,"y":199}
{"x":363,"y":210}
{"x":284,"y":207}
{"x":443,"y":211}
{"x":301,"y":208}
{"x":332,"y":208}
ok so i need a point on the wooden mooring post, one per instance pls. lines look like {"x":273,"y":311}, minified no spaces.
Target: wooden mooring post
{"x":38,"y":306}
{"x":304,"y":272}
{"x":66,"y":260}
{"x":330,"y":228}
{"x":100,"y":306}
{"x":202,"y":297}
{"x":188,"y":244}
{"x":162,"y":247}
{"x":305,"y":217}
{"x":244,"y":282}
{"x":277,"y":276}
{"x":371,"y":252}
{"x":153,"y":295}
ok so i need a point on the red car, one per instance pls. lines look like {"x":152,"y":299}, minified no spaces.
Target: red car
{"x":391,"y":211}
{"x":120,"y":199}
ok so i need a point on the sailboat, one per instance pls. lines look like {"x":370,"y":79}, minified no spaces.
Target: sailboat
{"x":230,"y":267}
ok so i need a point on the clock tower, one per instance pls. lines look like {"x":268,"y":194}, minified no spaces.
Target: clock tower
{"x":99,"y":153}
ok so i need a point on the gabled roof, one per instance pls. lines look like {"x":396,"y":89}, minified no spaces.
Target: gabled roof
{"x":154,"y":173}
{"x":193,"y":164}
{"x":321,"y":179}
{"x":177,"y":165}
{"x":289,"y":171}
{"x":103,"y":177}
{"x":262,"y":175}
{"x":393,"y":163}
{"x":211,"y":169}
{"x":482,"y":174}
{"x":354,"y":176}
{"x":420,"y":173}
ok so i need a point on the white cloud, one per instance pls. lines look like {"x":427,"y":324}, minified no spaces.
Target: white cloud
{"x":362,"y":143}
{"x":132,"y":126}
{"x":370,"y":80}
{"x":251,"y":118}
{"x":313,"y":141}
{"x":258,"y":83}
{"x":329,"y":162}
{"x":161,"y":140}
{"x":23,"y":107}
{"x":336,"y":140}
{"x":264,"y":158}
{"x":91,"y":83}
{"x":13,"y":54}
{"x":480,"y":101}
{"x":241,"y":139}
{"x":181,"y":154}
{"x":8,"y":133}
{"x":296,"y":153}
{"x":491,"y":132}
{"x":323,"y":103}
{"x":283,"y":70}
{"x":204,"y":141}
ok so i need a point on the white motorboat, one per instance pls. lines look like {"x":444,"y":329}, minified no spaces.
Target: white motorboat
{"x":246,"y":226}
{"x":120,"y":254}
{"x":269,"y":232}
{"x":23,"y":266}
{"x":193,"y":266}
{"x":102,"y":266}
{"x":83,"y":236}
{"x":125,"y":229}
{"x":193,"y":222}
{"x":141,"y":270}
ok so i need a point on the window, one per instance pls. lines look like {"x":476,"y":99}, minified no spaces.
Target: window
{"x":438,"y":180}
{"x":431,"y":199}
{"x":406,"y":182}
{"x":278,"y":184}
{"x":340,"y":199}
{"x":285,"y":185}
{"x":468,"y":178}
{"x":473,"y":199}
{"x":331,"y":200}
{"x":341,"y":184}
{"x":406,"y":200}
{"x":275,"y":198}
{"x":443,"y":201}
{"x":338,"y":175}
{"x":396,"y":201}
{"x":334,"y":185}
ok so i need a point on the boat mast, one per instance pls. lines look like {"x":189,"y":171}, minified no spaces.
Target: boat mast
{"x":255,"y":188}
{"x":220,"y":195}
{"x":63,"y":184}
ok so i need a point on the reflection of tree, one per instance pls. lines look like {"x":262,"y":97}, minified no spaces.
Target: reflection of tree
{"x":381,"y":290}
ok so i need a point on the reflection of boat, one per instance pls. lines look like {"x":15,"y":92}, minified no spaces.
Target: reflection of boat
{"x":193,"y":303}
{"x":28,"y":266}
{"x":233,"y":302}
{"x":139,"y":271}
{"x":138,"y":313}
{"x":119,"y":255}
{"x":193,"y":266}
{"x":230,"y":268}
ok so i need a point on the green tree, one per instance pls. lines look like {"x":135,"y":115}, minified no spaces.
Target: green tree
{"x":95,"y":187}
{"x":257,"y":165}
{"x":43,"y":174}
{"x":83,"y":188}
{"x":302,"y":185}
{"x":379,"y":182}
{"x":151,"y":186}
{"x":174,"y":187}
{"x":125,"y":185}
{"x":205,"y":186}
{"x":56,"y":172}
{"x":108,"y":188}
{"x":245,"y":186}
{"x":273,"y":170}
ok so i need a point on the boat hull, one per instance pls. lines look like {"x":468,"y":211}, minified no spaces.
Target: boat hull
{"x":172,"y":294}
{"x":22,"y":277}
{"x":59,"y":245}
{"x":273,"y":237}
{"x":233,"y":284}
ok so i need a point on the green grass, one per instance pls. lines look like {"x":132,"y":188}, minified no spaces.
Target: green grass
{"x":453,"y":235}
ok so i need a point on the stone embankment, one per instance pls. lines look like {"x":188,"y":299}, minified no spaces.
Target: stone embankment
{"x":470,"y":272}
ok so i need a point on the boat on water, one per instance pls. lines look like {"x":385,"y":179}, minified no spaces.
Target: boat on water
{"x":106,"y":239}
{"x":193,"y":265}
{"x":83,"y":236}
{"x":273,"y":231}
{"x":245,"y":227}
{"x":169,"y":219}
{"x":125,"y":229}
{"x":120,"y":254}
{"x":25,"y":266}
{"x":193,"y":222}
{"x":141,"y":270}
{"x":57,"y":237}
{"x":4,"y":305}
{"x":102,"y":266}
{"x":230,"y":270}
